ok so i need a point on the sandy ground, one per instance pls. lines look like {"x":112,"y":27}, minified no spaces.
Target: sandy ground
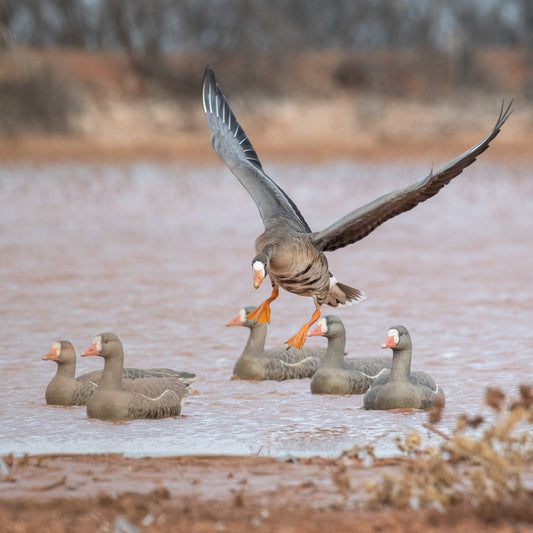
{"x":217,"y":493}
{"x":340,"y":128}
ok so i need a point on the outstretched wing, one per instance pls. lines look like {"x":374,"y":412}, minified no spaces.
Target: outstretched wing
{"x":359,"y":223}
{"x":234,"y":148}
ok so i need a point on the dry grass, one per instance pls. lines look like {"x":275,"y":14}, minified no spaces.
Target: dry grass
{"x":486,"y":472}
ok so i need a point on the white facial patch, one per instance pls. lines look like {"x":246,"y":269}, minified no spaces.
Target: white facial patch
{"x":98,"y":342}
{"x":242,"y":315}
{"x":394,"y":334}
{"x":323,"y":323}
{"x":259,"y":266}
{"x":57,"y":347}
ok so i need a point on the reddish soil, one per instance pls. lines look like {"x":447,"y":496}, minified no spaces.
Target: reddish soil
{"x":218,"y":493}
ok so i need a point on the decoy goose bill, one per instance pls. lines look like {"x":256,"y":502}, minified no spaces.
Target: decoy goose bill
{"x":288,"y":251}
{"x":393,"y":337}
{"x":53,"y":354}
{"x":95,"y":348}
{"x":239,"y":320}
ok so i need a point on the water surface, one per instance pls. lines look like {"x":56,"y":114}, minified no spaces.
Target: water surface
{"x":160,"y":254}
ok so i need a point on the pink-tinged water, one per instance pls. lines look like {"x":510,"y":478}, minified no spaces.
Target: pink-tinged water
{"x":161,"y":256}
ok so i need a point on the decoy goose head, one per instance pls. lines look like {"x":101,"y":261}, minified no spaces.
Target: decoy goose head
{"x":327,"y":326}
{"x":260,"y":265}
{"x":104,"y":345}
{"x":241,"y":320}
{"x":397,"y":338}
{"x":61,"y":352}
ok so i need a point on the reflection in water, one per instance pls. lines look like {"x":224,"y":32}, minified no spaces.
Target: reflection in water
{"x":161,"y":256}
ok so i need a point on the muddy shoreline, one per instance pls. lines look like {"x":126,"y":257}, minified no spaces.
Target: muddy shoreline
{"x":215,"y":493}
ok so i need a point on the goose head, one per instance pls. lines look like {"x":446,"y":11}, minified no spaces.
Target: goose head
{"x":398,"y":338}
{"x":327,"y":326}
{"x":241,"y":320}
{"x":260,"y":265}
{"x":61,"y":352}
{"x":106,"y":345}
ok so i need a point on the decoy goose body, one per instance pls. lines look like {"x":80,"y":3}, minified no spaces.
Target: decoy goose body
{"x":65,"y":389}
{"x":401,"y":388}
{"x":281,"y":363}
{"x":343,"y":375}
{"x":288,"y":251}
{"x":142,"y":398}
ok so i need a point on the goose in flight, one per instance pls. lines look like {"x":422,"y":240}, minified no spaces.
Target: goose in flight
{"x":288,"y":251}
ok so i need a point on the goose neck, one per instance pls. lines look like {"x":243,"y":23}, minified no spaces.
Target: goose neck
{"x":335,"y":350}
{"x":112,"y":373}
{"x":401,"y":365}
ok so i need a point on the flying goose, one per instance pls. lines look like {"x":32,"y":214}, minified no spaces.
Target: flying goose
{"x":288,"y":251}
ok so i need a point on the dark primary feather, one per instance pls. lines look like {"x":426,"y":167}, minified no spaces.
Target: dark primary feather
{"x":235,"y":149}
{"x":359,"y":223}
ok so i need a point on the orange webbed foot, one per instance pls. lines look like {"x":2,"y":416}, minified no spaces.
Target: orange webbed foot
{"x":260,"y":314}
{"x":298,"y":340}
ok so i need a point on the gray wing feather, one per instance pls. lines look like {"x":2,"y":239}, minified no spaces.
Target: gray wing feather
{"x":359,"y":223}
{"x":294,"y":355}
{"x":232,"y":145}
{"x":83,"y":391}
{"x":279,"y":370}
{"x":135,"y":373}
{"x":167,"y":404}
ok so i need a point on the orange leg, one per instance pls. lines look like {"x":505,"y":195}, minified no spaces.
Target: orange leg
{"x":262,"y":313}
{"x":298,"y":340}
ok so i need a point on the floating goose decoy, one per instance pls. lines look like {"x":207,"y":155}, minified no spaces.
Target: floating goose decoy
{"x":288,"y":251}
{"x":142,"y":398}
{"x":66,"y":389}
{"x":343,"y":375}
{"x":401,"y":388}
{"x":256,"y":363}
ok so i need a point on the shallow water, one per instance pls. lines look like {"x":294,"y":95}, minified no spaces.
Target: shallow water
{"x":161,"y":256}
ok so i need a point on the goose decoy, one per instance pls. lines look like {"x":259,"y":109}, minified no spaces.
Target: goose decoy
{"x":288,"y":251}
{"x":401,"y":388}
{"x":66,"y":389}
{"x":281,"y":363}
{"x":338,"y":374}
{"x":141,"y":398}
